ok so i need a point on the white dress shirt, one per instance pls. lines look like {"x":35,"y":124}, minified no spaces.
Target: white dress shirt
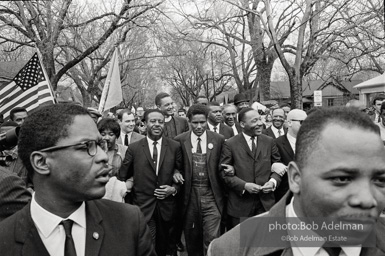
{"x":211,"y":127}
{"x":292,"y":141}
{"x":52,"y":233}
{"x":275,"y":131}
{"x":194,"y":142}
{"x":315,"y":251}
{"x":249,"y":143}
{"x":123,"y":135}
{"x":158,"y":147}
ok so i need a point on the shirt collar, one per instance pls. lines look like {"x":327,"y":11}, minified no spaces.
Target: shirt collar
{"x":290,"y":138}
{"x":194,"y":138}
{"x":46,"y":221}
{"x":151,"y":142}
{"x":351,"y":251}
{"x":275,"y":130}
{"x":212,"y":126}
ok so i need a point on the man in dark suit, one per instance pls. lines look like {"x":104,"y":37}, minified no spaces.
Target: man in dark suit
{"x":69,"y":170}
{"x":215,"y":123}
{"x":13,"y":193}
{"x":173,"y":125}
{"x":337,"y":175}
{"x":126,"y":121}
{"x":277,"y":128}
{"x":248,"y":161}
{"x":203,"y":191}
{"x":229,"y":113}
{"x":286,"y":147}
{"x":152,"y":162}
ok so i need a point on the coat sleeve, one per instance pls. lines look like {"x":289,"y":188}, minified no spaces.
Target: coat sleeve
{"x":275,"y":158}
{"x":126,"y":171}
{"x":232,"y":182}
{"x":13,"y":194}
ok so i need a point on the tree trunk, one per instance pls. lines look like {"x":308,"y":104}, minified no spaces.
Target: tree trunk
{"x":295,"y":90}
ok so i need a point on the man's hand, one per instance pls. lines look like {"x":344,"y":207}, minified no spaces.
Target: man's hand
{"x":228,"y":169}
{"x":177,"y":177}
{"x":164,"y":191}
{"x":279,"y":168}
{"x":268,"y":187}
{"x":252,"y":188}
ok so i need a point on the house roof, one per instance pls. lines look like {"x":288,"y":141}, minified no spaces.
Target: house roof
{"x":9,"y":69}
{"x":281,"y":89}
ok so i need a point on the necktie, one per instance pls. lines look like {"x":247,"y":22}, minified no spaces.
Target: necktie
{"x":155,"y":153}
{"x":279,"y":132}
{"x":332,"y":251}
{"x":215,"y":129}
{"x":126,"y":140}
{"x":379,"y":118}
{"x":69,"y":246}
{"x":199,"y":147}
{"x":253,"y":144}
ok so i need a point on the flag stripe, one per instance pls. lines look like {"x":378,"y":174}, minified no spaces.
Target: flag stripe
{"x":24,"y":99}
{"x":29,"y":88}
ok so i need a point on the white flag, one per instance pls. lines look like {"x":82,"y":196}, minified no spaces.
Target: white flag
{"x":112,"y":90}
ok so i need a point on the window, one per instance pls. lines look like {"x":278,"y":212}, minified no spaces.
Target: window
{"x":330,"y":102}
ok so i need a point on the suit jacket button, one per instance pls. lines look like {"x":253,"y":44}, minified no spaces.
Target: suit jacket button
{"x":95,"y":235}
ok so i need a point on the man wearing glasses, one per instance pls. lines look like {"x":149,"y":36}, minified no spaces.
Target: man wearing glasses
{"x":286,"y":147}
{"x":69,"y":168}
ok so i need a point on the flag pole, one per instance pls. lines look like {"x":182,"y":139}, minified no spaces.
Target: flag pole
{"x":40,"y":57}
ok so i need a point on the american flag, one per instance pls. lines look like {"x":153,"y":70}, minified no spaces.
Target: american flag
{"x":29,"y":89}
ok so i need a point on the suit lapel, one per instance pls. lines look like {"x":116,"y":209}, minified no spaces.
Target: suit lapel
{"x":188,"y":146}
{"x":95,"y":231}
{"x":210,"y":139}
{"x":260,"y":145}
{"x":146,"y":151}
{"x":26,"y":233}
{"x":163,"y":150}
{"x":287,"y":147}
{"x":245,"y":146}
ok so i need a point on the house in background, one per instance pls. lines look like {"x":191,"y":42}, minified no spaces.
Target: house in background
{"x":334,"y":93}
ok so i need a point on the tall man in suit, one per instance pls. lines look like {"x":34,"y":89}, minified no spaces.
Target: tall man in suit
{"x":286,"y":147}
{"x":338,"y":172}
{"x":203,"y":191}
{"x":377,"y":101}
{"x":126,"y":121}
{"x":277,"y":128}
{"x":173,"y":125}
{"x":248,"y":161}
{"x":215,"y":123}
{"x":229,"y":113}
{"x":69,"y":169}
{"x":152,"y":162}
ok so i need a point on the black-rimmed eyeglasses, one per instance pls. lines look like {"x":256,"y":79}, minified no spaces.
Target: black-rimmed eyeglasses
{"x":91,"y":145}
{"x":300,"y":121}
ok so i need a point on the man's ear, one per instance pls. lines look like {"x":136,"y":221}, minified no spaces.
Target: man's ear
{"x":39,"y":162}
{"x":242,"y":124}
{"x":294,"y":177}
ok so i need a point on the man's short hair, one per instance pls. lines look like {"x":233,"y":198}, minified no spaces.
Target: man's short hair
{"x":378,"y":97}
{"x":213,"y":103}
{"x":182,"y":110}
{"x":151,"y":111}
{"x":228,"y":106}
{"x":159,"y":97}
{"x":16,"y":110}
{"x":124,"y":111}
{"x":197,"y":109}
{"x":310,"y":132}
{"x":109,"y":124}
{"x":242,"y":113}
{"x":44,"y":128}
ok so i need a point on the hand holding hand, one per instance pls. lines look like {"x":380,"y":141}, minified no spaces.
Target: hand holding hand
{"x":164,"y":191}
{"x":228,"y":169}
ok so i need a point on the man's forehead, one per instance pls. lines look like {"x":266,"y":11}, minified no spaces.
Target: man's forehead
{"x":128,"y":116}
{"x":76,"y":129}
{"x":230,"y":109}
{"x":277,"y":112}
